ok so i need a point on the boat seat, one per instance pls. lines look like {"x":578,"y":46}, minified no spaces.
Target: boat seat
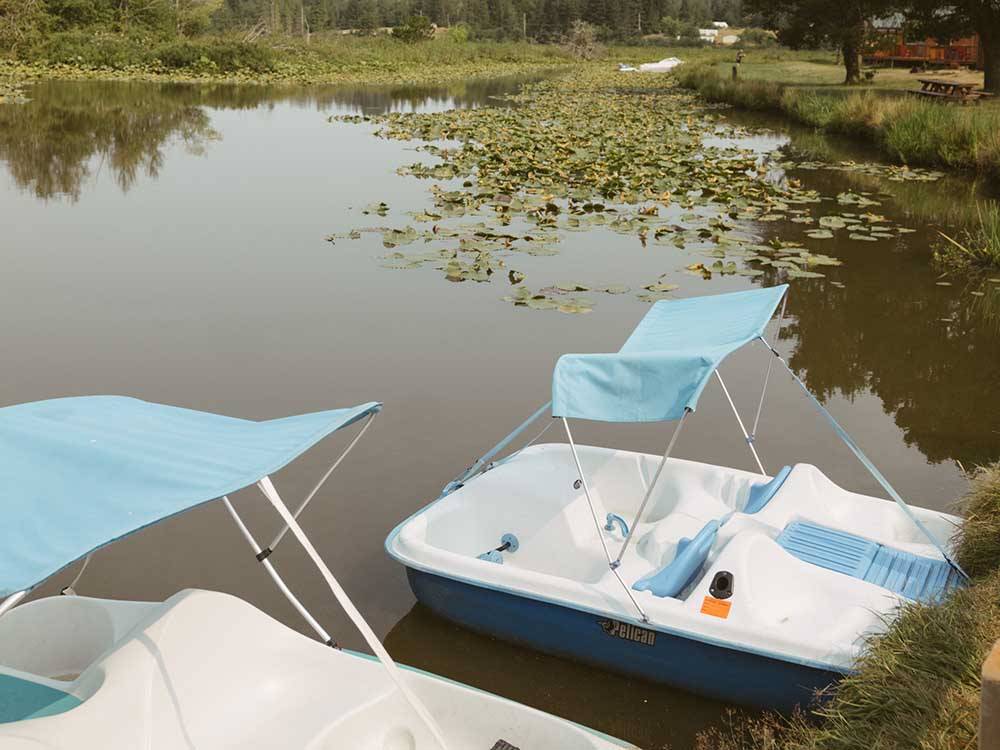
{"x":23,"y":699}
{"x":762,"y":492}
{"x":674,"y":577}
{"x":911,"y":575}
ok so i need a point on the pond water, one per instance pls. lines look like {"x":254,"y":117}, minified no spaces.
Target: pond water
{"x":168,"y":242}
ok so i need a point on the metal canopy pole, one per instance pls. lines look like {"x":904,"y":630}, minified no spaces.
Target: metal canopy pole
{"x":597,"y":524}
{"x":352,"y":612}
{"x":649,"y":490}
{"x":767,"y":375}
{"x":271,"y":547}
{"x":466,"y":475}
{"x":8,"y":603}
{"x":324,"y":636}
{"x":70,"y":590}
{"x":867,"y":463}
{"x":743,"y":429}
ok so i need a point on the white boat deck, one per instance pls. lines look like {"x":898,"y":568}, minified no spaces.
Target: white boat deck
{"x":781,"y":605}
{"x":208,"y":671}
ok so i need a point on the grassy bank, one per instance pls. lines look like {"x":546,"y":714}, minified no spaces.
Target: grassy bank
{"x":332,"y":58}
{"x":918,"y":684}
{"x":906,"y":129}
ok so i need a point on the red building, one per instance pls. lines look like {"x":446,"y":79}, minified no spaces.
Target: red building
{"x":891,"y":45}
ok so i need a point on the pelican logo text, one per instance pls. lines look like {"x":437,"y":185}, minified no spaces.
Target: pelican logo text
{"x":628,"y":632}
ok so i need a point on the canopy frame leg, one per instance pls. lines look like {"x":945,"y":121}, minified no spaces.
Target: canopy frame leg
{"x":284,"y":529}
{"x":278,"y":581}
{"x":613,"y":565}
{"x":767,"y":374}
{"x":70,"y":590}
{"x":743,"y":429}
{"x":11,"y":601}
{"x":867,"y":463}
{"x":481,"y":462}
{"x":652,"y":484}
{"x":267,"y":488}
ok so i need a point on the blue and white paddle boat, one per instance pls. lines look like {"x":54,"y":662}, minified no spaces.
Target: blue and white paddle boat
{"x":201,"y":670}
{"x":743,"y":586}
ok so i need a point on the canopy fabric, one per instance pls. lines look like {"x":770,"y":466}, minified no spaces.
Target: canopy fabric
{"x":666,"y":362}
{"x":79,"y":473}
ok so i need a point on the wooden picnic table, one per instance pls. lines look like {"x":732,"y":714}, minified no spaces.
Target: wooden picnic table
{"x":955,"y":91}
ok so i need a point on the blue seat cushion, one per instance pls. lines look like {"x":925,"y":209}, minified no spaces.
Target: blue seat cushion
{"x":672,"y":578}
{"x":24,"y":699}
{"x":761,"y":493}
{"x":911,"y":575}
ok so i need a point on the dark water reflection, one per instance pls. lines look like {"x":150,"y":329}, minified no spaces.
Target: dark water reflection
{"x":930,"y":353}
{"x":167,"y":242}
{"x":649,"y":716}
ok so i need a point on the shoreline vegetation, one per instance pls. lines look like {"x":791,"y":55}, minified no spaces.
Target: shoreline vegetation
{"x":918,"y":684}
{"x":977,"y":249}
{"x":906,"y":129}
{"x":331,"y":59}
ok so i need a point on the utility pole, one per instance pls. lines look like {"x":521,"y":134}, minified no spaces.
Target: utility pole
{"x":524,"y":26}
{"x":640,"y":22}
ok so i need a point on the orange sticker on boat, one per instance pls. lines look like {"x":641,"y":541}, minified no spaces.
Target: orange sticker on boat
{"x":715,"y":607}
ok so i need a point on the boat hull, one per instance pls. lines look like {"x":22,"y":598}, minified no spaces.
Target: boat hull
{"x":714,"y":671}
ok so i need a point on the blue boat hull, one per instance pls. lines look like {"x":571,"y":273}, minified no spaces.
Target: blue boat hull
{"x":718,"y":672}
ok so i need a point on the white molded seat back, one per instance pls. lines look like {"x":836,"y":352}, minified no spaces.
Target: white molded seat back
{"x":61,"y":636}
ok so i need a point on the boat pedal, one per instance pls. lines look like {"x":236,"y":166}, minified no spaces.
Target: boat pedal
{"x":504,"y":745}
{"x":508,"y":543}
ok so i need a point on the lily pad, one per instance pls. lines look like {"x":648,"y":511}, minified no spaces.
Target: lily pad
{"x":381,"y":209}
{"x":832,"y":222}
{"x":661,"y":287}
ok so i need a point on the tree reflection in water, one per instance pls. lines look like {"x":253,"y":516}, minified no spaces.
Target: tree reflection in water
{"x":54,"y":143}
{"x":70,"y":130}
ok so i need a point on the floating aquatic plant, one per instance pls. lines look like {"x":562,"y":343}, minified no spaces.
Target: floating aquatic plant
{"x":597,"y":150}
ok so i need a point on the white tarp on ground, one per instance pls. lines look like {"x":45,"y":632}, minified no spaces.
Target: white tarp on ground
{"x":663,"y":66}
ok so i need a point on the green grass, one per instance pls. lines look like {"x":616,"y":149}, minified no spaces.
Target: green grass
{"x":907,"y":129}
{"x":979,"y":537}
{"x":917,"y":686}
{"x":818,"y":69}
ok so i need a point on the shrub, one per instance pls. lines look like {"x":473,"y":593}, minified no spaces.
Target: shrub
{"x":90,"y":50}
{"x":458,"y":34}
{"x":758,"y":38}
{"x":226,"y":57}
{"x":581,"y":41}
{"x":21,"y":23}
{"x":675,"y":28}
{"x":416,"y":29}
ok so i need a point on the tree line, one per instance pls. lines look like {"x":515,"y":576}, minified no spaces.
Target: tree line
{"x":539,"y":20}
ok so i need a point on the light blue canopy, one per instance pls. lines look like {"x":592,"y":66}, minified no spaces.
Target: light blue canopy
{"x":79,"y":473}
{"x":666,"y":362}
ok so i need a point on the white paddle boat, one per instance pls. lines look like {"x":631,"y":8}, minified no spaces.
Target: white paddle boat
{"x":750,"y":588}
{"x":201,"y":670}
